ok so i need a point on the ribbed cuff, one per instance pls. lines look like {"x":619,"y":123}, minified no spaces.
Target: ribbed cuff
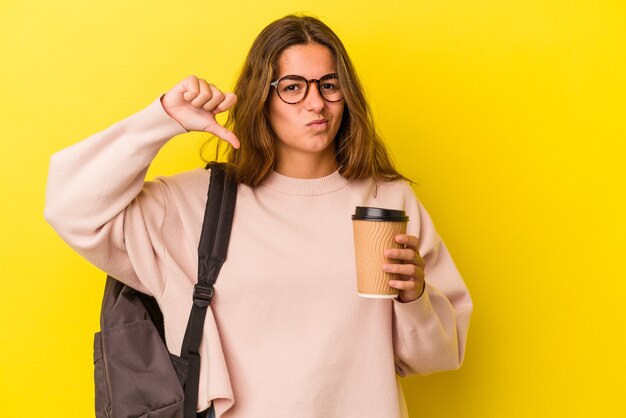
{"x":419,"y":309}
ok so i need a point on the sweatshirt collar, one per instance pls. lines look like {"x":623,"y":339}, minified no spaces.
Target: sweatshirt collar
{"x":305,"y":187}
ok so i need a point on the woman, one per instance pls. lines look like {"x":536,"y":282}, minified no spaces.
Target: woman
{"x":287,"y":335}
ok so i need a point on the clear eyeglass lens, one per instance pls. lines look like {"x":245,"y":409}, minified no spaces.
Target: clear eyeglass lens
{"x":329,"y":88}
{"x":292,"y":90}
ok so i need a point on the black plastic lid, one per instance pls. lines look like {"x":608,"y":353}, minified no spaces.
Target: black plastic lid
{"x":362,"y":213}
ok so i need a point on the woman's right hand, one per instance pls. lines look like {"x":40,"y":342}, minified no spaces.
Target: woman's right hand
{"x":193,"y":103}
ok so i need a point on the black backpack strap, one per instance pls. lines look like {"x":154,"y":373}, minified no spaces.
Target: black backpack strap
{"x":216,"y":227}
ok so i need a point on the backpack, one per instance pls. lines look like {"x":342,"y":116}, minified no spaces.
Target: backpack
{"x":135,"y":375}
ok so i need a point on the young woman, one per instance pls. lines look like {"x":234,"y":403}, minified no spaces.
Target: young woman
{"x":287,"y":334}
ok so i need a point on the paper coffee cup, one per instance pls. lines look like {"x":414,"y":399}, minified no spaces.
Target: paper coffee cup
{"x":375,"y":230}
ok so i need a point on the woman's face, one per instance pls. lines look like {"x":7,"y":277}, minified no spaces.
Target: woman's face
{"x":306,"y":129}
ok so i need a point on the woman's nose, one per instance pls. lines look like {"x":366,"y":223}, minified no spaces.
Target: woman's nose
{"x":313,"y":99}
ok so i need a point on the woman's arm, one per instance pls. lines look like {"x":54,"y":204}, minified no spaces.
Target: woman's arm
{"x":429,"y":333}
{"x":92,"y":196}
{"x":96,"y":198}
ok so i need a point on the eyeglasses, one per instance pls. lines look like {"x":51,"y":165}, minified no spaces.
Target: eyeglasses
{"x":292,"y":89}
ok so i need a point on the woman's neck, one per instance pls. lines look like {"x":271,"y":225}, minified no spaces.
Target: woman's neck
{"x":306,"y":166}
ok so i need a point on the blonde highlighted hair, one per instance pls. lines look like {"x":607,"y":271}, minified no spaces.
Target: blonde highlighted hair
{"x":360,"y":151}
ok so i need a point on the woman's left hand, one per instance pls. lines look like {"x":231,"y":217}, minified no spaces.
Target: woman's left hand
{"x":409,"y":266}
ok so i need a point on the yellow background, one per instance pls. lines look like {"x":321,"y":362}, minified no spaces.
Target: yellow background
{"x":509,"y":114}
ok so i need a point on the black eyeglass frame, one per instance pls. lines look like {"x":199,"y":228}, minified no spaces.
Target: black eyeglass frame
{"x":308,"y":83}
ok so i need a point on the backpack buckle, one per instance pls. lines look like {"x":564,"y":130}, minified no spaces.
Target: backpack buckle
{"x":202,"y":295}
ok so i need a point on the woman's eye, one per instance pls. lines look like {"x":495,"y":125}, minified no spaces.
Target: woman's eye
{"x":330,"y":86}
{"x":292,"y":87}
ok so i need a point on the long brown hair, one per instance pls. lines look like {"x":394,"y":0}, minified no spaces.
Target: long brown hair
{"x":360,"y":152}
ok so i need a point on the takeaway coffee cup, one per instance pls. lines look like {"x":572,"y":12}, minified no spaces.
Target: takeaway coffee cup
{"x":375,"y":230}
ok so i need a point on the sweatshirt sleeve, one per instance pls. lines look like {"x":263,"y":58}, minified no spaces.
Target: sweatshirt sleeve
{"x":97,"y":201}
{"x":429,"y":334}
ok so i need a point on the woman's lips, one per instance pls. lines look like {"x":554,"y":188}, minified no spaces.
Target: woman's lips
{"x":318,"y":124}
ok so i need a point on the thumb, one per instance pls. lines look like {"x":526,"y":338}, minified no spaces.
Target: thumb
{"x":223,"y":133}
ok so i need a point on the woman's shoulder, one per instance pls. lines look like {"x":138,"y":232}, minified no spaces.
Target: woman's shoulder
{"x":185,"y":178}
{"x":398,"y":186}
{"x":186,"y":184}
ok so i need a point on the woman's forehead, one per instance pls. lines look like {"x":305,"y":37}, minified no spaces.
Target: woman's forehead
{"x":309,"y":61}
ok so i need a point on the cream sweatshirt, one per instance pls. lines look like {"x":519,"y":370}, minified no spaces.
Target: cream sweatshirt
{"x":287,"y":335}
